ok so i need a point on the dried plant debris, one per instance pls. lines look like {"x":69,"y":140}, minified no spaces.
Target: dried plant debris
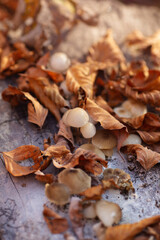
{"x":104,"y":102}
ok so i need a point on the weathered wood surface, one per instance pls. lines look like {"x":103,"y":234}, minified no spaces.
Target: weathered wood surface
{"x":22,"y":199}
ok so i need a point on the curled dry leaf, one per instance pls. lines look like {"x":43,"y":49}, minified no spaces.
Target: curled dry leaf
{"x":20,"y":154}
{"x":13,"y":95}
{"x":76,"y":216}
{"x":46,"y":178}
{"x":129,"y":231}
{"x":149,"y":137}
{"x":55,"y":222}
{"x":105,"y":53}
{"x":107,"y":121}
{"x":120,"y":178}
{"x":108,"y":212}
{"x":57,"y":193}
{"x":86,"y":160}
{"x":146,"y":157}
{"x":55,"y":151}
{"x":81,"y":75}
{"x":76,"y":179}
{"x":137,"y":43}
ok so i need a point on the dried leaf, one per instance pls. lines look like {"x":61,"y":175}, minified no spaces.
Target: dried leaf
{"x":105,"y":53}
{"x":20,"y":154}
{"x":76,"y":216}
{"x":103,"y":104}
{"x":13,"y":95}
{"x":55,"y":222}
{"x":149,"y":137}
{"x":55,"y":151}
{"x":81,"y":75}
{"x":107,"y":121}
{"x":129,"y":231}
{"x":36,"y":112}
{"x":45,"y":178}
{"x":146,"y":157}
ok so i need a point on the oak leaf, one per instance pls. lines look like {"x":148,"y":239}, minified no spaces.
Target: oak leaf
{"x":129,"y":231}
{"x":20,"y":154}
{"x":146,"y":157}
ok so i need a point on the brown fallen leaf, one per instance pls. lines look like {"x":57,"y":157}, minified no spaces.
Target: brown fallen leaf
{"x":20,"y":154}
{"x":103,"y":104}
{"x":105,"y":53}
{"x":36,"y":112}
{"x":146,"y":157}
{"x":45,"y":178}
{"x":107,"y":121}
{"x":76,"y":216}
{"x":81,"y":75}
{"x":55,"y":222}
{"x":129,"y":231}
{"x":149,"y":137}
{"x":13,"y":95}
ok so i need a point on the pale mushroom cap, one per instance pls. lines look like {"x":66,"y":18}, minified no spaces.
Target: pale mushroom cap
{"x":132,"y":139}
{"x":57,"y":193}
{"x":94,"y":149}
{"x":122,"y":112}
{"x":77,"y":117}
{"x":104,"y":139}
{"x":59,"y":62}
{"x":76,"y":179}
{"x":108,"y":152}
{"x":89,"y":211}
{"x":134,"y":107}
{"x":88,"y":130}
{"x":64,"y":118}
{"x":108,"y":212}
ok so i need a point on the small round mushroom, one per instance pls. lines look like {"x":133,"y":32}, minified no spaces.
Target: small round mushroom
{"x":122,"y":112}
{"x":76,"y":179}
{"x":64,"y":118}
{"x":104,"y":139}
{"x":88,"y":130}
{"x":108,"y":212}
{"x":59,"y":62}
{"x":92,"y":148}
{"x":57,"y":193}
{"x":135,"y":108}
{"x":132,"y":139}
{"x":77,"y":117}
{"x":89,"y":211}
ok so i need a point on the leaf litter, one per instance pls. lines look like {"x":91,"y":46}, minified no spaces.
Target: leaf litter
{"x":117,"y":104}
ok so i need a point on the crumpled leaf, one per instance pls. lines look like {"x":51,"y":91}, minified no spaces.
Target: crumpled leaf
{"x":45,"y":178}
{"x":146,"y":157}
{"x":22,"y":153}
{"x":137,"y":43}
{"x":76,"y":216}
{"x":107,"y":121}
{"x":55,"y":222}
{"x":81,"y":75}
{"x":149,"y":137}
{"x":103,"y":104}
{"x":13,"y":95}
{"x":129,"y":231}
{"x":36,"y":112}
{"x":105,"y":53}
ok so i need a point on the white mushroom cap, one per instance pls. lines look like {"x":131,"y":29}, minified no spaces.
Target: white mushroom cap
{"x":89,"y":211}
{"x":122,"y":112}
{"x":134,"y":107}
{"x":92,"y":148}
{"x":76,"y":179}
{"x":108,"y":212}
{"x":77,"y":117}
{"x":132,"y":139}
{"x":59,"y":62}
{"x":88,"y":130}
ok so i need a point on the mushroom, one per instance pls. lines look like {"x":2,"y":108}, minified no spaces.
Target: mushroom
{"x":57,"y":193}
{"x":89,"y":210}
{"x":92,"y":148}
{"x":132,"y":139}
{"x":108,"y":212}
{"x":104,"y":139}
{"x":77,"y":117}
{"x":88,"y":130}
{"x":108,"y":152}
{"x":99,"y":230}
{"x":122,"y":112}
{"x":59,"y":62}
{"x":76,"y":179}
{"x":135,"y":108}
